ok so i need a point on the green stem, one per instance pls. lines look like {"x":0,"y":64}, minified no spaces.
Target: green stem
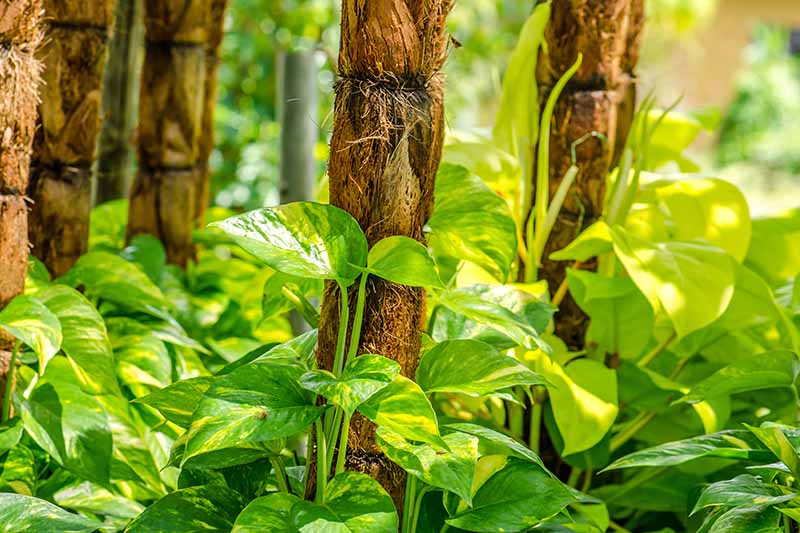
{"x":355,"y":336}
{"x":10,"y":381}
{"x":574,"y":477}
{"x":303,"y":306}
{"x":333,"y":426}
{"x":342,"y":453}
{"x":587,"y":480}
{"x":344,"y":318}
{"x":515,"y":420}
{"x":631,"y":428}
{"x":536,"y":427}
{"x":408,"y":503}
{"x":280,"y":474}
{"x":543,"y":171}
{"x":417,"y":508}
{"x":655,"y":352}
{"x":322,"y":462}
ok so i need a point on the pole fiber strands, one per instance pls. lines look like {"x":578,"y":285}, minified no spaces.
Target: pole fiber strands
{"x":600,"y":98}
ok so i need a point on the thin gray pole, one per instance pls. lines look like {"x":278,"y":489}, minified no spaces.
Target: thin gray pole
{"x":114,"y":171}
{"x":298,"y":109}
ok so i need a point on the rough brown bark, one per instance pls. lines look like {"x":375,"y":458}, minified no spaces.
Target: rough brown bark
{"x":385,"y":150}
{"x":600,"y":98}
{"x":20,"y":74}
{"x":216,"y":31}
{"x":73,"y":55}
{"x":164,"y":196}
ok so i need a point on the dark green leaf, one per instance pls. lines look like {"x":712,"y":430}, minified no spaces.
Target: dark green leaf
{"x":203,"y":508}
{"x":178,"y":401}
{"x":728,"y":444}
{"x":744,"y":490}
{"x":268,"y":513}
{"x":491,"y":442}
{"x":518,"y":497}
{"x":252,"y":405}
{"x":764,"y":371}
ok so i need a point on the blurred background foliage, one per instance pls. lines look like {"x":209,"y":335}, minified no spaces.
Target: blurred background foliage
{"x":246,"y":162}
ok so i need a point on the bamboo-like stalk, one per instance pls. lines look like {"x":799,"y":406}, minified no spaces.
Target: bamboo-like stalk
{"x":20,"y":76}
{"x":165,"y":194}
{"x":74,"y":56}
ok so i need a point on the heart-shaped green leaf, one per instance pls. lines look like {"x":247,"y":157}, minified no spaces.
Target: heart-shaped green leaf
{"x":516,"y":498}
{"x":201,"y":508}
{"x":402,"y":407}
{"x":692,"y":281}
{"x":532,"y":310}
{"x":471,"y":222}
{"x":474,"y":306}
{"x":744,"y":490}
{"x":728,"y":444}
{"x":304,"y":239}
{"x":252,"y":405}
{"x":405,"y":261}
{"x":362,"y":377}
{"x":481,"y":369}
{"x":24,"y":513}
{"x":69,"y":424}
{"x":30,"y":321}
{"x":592,"y":242}
{"x":491,"y":442}
{"x":268,"y":513}
{"x":178,"y":401}
{"x":452,"y":470}
{"x":85,"y":339}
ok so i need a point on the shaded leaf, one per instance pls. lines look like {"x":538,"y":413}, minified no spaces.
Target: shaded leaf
{"x":202,"y":508}
{"x":178,"y":401}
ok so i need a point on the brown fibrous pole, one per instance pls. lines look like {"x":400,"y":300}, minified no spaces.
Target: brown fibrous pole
{"x":387,"y":140}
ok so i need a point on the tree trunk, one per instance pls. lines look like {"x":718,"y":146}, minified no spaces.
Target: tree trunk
{"x":299,"y":106}
{"x":600,"y":98}
{"x":165,"y":192}
{"x":74,"y":55}
{"x":120,"y":100}
{"x":20,"y":74}
{"x":385,"y":150}
{"x":216,"y":31}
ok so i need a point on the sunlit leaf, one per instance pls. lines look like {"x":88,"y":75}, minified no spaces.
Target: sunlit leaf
{"x":452,"y":470}
{"x":402,"y":407}
{"x":24,"y":513}
{"x":27,"y":319}
{"x":471,"y":222}
{"x":481,"y":369}
{"x":304,"y":239}
{"x":403,"y":260}
{"x":362,"y":377}
{"x":692,"y":281}
{"x":592,"y":242}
